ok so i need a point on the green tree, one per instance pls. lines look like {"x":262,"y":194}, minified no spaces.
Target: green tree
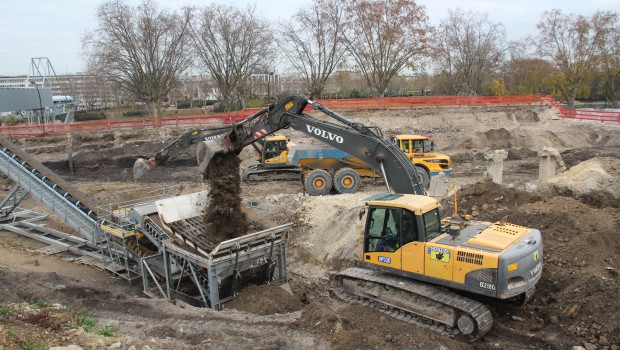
{"x":531,"y":76}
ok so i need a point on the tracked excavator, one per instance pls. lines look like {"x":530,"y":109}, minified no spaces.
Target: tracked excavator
{"x":413,"y":265}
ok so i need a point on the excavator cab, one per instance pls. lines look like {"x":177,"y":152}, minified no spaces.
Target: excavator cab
{"x":420,"y":149}
{"x":275,"y":150}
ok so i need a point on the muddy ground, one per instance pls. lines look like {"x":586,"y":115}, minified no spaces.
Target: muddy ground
{"x":575,"y":303}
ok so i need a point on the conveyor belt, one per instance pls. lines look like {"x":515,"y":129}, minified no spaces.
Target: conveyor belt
{"x":71,"y":205}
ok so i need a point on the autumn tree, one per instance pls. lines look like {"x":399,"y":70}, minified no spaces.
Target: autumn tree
{"x":311,"y":42}
{"x":525,"y":75}
{"x":468,"y":49}
{"x":385,"y":37}
{"x":231,"y":44}
{"x":143,"y":49}
{"x":574,"y":44}
{"x":609,"y":70}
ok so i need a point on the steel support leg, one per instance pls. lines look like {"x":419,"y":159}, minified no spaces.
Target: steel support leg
{"x":214,"y":289}
{"x":282,"y":264}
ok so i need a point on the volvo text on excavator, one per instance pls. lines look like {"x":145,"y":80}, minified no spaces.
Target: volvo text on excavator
{"x":412,"y":262}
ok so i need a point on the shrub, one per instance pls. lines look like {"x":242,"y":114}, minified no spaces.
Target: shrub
{"x":84,"y":116}
{"x":107,"y":331}
{"x":136,"y":113}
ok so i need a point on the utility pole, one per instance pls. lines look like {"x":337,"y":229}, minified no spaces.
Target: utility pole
{"x":40,"y":104}
{"x":269,"y":86}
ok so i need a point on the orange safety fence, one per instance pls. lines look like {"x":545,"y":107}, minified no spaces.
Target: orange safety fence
{"x":594,"y":115}
{"x":33,"y":130}
{"x":431,"y":101}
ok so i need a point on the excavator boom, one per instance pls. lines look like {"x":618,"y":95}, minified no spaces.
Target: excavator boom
{"x":363,"y":142}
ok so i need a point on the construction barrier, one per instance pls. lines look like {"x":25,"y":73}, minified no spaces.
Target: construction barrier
{"x":33,"y":130}
{"x":593,"y":115}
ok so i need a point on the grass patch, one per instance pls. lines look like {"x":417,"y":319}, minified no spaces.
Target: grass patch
{"x":36,"y":346}
{"x":87,"y":322}
{"x":107,"y":331}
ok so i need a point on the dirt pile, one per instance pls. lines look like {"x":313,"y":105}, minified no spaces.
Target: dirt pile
{"x":265,"y":300}
{"x":328,"y":232}
{"x":595,"y":181}
{"x":488,"y":200}
{"x":224,"y":216}
{"x":576,"y":293}
{"x":579,"y":285}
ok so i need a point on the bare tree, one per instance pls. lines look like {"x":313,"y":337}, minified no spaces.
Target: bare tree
{"x":468,"y":49}
{"x":610,"y":59}
{"x":311,"y":42}
{"x":573,"y":43}
{"x":143,"y":49}
{"x":384,"y":37}
{"x":231,"y":43}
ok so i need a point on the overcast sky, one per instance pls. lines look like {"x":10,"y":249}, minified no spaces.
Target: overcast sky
{"x":46,"y":28}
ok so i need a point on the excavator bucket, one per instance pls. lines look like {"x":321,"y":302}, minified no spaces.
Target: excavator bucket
{"x":141,"y":167}
{"x":206,"y":150}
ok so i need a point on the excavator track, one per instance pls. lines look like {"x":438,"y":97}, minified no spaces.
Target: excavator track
{"x":256,"y":173}
{"x":416,"y":302}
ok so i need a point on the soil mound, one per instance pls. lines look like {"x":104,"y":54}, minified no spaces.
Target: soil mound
{"x":576,"y":294}
{"x":488,"y":200}
{"x":328,"y":230}
{"x":595,"y":181}
{"x":224,"y":216}
{"x":580,"y":276}
{"x":265,"y":300}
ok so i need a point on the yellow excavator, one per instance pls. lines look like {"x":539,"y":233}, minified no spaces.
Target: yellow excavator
{"x":417,"y":266}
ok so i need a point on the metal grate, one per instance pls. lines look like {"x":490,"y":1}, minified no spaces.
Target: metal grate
{"x":193,"y":230}
{"x":508,"y":228}
{"x":470,"y":258}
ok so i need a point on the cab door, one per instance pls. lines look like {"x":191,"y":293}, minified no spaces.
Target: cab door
{"x":381,"y":238}
{"x":439,"y":258}
{"x":413,"y":248}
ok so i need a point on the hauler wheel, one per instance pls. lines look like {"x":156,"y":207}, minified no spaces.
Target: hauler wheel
{"x":318,"y":182}
{"x":346,"y":180}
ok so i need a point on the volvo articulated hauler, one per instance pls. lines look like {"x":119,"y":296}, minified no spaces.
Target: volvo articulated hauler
{"x":413,"y":263}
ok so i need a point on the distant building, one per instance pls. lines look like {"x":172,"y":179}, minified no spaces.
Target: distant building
{"x":91,"y":91}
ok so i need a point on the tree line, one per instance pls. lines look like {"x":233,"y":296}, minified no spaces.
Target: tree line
{"x":144,"y":49}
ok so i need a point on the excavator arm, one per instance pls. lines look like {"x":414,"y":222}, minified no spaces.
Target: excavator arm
{"x":363,"y":142}
{"x":187,"y":139}
{"x":142,"y":166}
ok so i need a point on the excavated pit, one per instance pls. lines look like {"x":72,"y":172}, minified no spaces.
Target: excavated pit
{"x":573,"y":305}
{"x":223,"y":216}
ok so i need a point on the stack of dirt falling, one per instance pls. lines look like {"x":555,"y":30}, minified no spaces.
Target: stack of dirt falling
{"x":223,"y":216}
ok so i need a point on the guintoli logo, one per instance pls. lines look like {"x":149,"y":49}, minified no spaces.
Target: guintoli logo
{"x":324,"y":134}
